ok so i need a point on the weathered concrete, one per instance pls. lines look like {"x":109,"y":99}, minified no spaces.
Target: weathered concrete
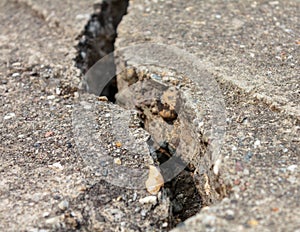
{"x":251,"y":48}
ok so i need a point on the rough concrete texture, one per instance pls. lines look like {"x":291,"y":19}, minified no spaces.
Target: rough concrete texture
{"x":250,"y":47}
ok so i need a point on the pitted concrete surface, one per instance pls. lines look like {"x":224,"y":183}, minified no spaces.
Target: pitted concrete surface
{"x":254,"y":44}
{"x":250,"y":47}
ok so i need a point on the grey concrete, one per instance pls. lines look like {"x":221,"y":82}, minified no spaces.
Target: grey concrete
{"x":250,"y":47}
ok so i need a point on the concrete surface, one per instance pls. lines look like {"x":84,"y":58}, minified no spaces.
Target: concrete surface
{"x":250,"y":47}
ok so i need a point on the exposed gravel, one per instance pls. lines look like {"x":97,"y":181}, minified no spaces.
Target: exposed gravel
{"x":47,"y":185}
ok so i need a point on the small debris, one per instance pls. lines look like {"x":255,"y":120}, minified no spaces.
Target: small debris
{"x":9,"y":116}
{"x":257,"y":143}
{"x":155,"y":180}
{"x":102,"y":98}
{"x":51,"y":97}
{"x":69,"y":145}
{"x":237,"y":182}
{"x":134,"y":196}
{"x":117,"y":161}
{"x":15,"y":75}
{"x":292,"y":168}
{"x":164,"y":225}
{"x":49,"y":134}
{"x":57,"y":166}
{"x":53,"y":221}
{"x":118,"y":144}
{"x":63,"y":205}
{"x":252,"y":222}
{"x":246,"y":172}
{"x":229,"y":214}
{"x":46,"y":214}
{"x":144,"y":213}
{"x":16,"y":64}
{"x":82,"y":188}
{"x":149,"y":200}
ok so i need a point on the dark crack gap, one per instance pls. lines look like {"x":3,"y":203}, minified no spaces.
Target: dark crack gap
{"x":98,"y":38}
{"x":96,"y":41}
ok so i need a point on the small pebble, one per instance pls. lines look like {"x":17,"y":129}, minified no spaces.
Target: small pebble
{"x":16,"y":64}
{"x":69,"y":145}
{"x":292,"y":179}
{"x":82,"y":188}
{"x":149,"y":200}
{"x":229,"y":214}
{"x":155,"y":180}
{"x":46,"y":214}
{"x":144,"y":213}
{"x":102,"y":98}
{"x":237,"y":182}
{"x":292,"y":168}
{"x":9,"y":116}
{"x":123,"y":224}
{"x":57,"y":165}
{"x":36,"y":145}
{"x":51,"y":97}
{"x":165,"y":224}
{"x":63,"y":205}
{"x":53,"y":221}
{"x":15,"y":75}
{"x":252,"y":222}
{"x":134,"y":196}
{"x":117,"y":161}
{"x":48,"y":134}
{"x":256,"y":143}
{"x":246,"y":172}
{"x":76,"y":95}
{"x":118,"y":144}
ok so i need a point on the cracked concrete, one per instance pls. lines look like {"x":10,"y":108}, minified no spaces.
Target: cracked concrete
{"x":250,"y":47}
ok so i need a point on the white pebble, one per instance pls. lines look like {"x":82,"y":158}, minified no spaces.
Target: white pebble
{"x":15,"y":75}
{"x":148,"y":200}
{"x":53,"y":221}
{"x":292,"y":168}
{"x":63,"y":205}
{"x":9,"y":116}
{"x":51,"y":97}
{"x":46,"y":214}
{"x":164,"y":225}
{"x":256,"y":143}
